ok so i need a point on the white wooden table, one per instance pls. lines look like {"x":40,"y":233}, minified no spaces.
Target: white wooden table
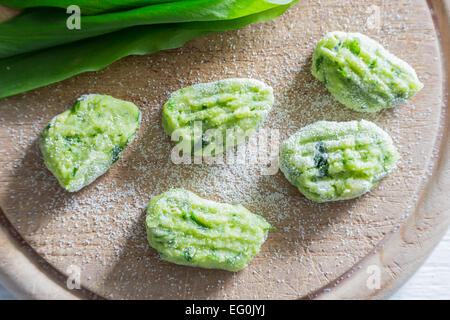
{"x":431,"y":281}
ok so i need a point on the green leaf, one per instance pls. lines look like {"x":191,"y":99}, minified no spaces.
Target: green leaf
{"x":115,"y":153}
{"x":321,"y":159}
{"x":41,"y":28}
{"x":36,"y":69}
{"x":86,"y":6}
{"x":354,"y":47}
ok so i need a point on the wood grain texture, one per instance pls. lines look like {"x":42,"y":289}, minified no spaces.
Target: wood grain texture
{"x":432,"y":280}
{"x":317,"y":251}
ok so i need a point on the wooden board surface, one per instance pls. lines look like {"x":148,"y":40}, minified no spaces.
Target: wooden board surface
{"x":432,"y":279}
{"x":318,"y":250}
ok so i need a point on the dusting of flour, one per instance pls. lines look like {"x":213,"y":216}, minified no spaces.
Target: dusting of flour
{"x":101,"y":228}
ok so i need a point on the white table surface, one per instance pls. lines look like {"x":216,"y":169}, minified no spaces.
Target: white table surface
{"x":431,"y":281}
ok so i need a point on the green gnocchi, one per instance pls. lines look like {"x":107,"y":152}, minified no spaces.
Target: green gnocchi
{"x":82,"y":143}
{"x":330,"y":161}
{"x":361,"y":74}
{"x":189,"y":230}
{"x":208,"y":118}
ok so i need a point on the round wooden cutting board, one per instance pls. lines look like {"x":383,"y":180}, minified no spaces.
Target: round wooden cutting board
{"x":331,"y":250}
